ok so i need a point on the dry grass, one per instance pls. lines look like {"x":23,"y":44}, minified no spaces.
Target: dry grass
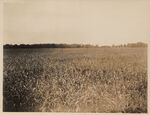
{"x":75,"y":80}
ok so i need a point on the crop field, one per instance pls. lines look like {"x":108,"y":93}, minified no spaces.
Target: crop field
{"x":104,"y":80}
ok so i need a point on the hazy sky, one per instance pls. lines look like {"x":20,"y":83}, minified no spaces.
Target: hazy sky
{"x":102,"y":22}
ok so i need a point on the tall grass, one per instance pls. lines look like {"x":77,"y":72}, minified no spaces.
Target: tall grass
{"x":75,"y":80}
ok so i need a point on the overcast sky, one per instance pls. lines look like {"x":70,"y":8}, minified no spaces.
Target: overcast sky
{"x":102,"y":22}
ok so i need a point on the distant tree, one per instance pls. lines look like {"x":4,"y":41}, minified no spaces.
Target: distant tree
{"x":138,"y":44}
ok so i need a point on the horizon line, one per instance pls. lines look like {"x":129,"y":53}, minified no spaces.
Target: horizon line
{"x":73,"y":43}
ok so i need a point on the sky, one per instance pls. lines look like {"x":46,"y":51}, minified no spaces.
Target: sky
{"x":98,"y":22}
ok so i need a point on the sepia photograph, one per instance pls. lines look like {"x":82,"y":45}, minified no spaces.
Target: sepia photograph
{"x":75,"y":56}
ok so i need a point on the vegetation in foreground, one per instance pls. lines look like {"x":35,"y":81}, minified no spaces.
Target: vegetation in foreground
{"x":75,"y":80}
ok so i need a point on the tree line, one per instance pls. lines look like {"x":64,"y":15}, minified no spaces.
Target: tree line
{"x":138,"y":44}
{"x":50,"y":46}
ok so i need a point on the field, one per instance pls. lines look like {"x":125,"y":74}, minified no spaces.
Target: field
{"x":75,"y":80}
